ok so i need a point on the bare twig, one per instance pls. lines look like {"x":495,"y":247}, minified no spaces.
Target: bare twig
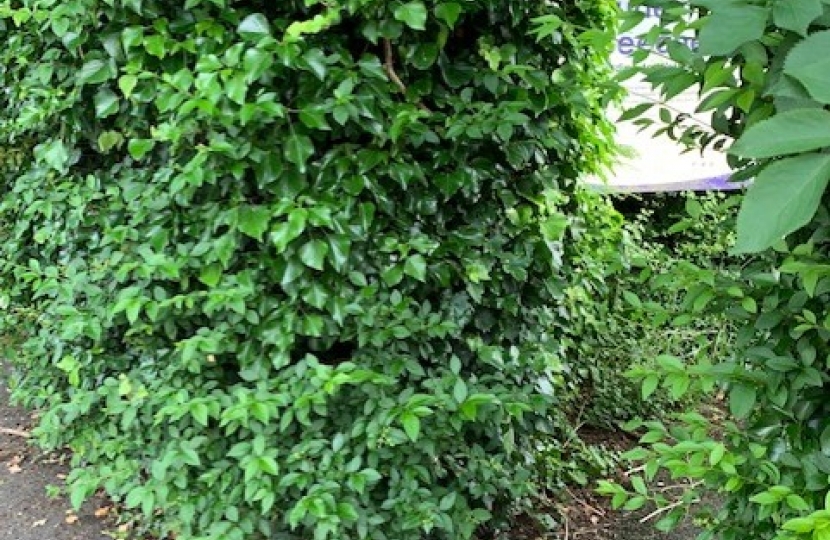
{"x":389,"y":68}
{"x":672,"y":506}
{"x":15,"y":432}
{"x":585,"y":505}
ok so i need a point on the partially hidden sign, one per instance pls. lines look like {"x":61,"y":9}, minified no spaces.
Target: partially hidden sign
{"x":659,"y":163}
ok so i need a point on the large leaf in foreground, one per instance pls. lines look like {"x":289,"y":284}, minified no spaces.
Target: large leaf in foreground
{"x":792,"y":132}
{"x":783,"y":198}
{"x":809,"y":64}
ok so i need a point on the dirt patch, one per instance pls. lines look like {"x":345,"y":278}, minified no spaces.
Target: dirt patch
{"x":27,"y":511}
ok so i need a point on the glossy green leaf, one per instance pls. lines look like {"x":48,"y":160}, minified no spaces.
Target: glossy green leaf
{"x":297,"y":150}
{"x":106,"y":103}
{"x":413,"y":14}
{"x":255,"y":25}
{"x":313,"y":254}
{"x":416,"y":266}
{"x":448,"y":12}
{"x":95,"y":72}
{"x":254,"y":221}
{"x":411,"y":425}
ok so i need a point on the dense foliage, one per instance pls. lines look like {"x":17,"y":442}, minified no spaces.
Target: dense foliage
{"x":299,"y":269}
{"x":761,"y":71}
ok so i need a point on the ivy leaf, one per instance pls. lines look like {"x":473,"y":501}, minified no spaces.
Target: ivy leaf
{"x":95,"y":72}
{"x":127,"y":83}
{"x":448,"y":12}
{"x":809,"y":64}
{"x":254,"y":25}
{"x":796,"y":15}
{"x":792,"y":132}
{"x":55,"y":154}
{"x":412,"y":14}
{"x":730,"y":26}
{"x":253,"y":221}
{"x":139,"y":148}
{"x":106,"y":103}
{"x":783,"y":198}
{"x":297,"y":150}
{"x":313,"y":254}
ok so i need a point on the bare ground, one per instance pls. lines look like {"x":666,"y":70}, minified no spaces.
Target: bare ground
{"x":27,"y":511}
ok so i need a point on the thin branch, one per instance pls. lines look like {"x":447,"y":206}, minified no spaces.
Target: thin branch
{"x":585,"y":505}
{"x":672,"y":108}
{"x":389,"y":68}
{"x":672,"y":506}
{"x":15,"y":432}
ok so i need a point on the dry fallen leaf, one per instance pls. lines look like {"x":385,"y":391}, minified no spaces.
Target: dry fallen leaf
{"x":71,"y":518}
{"x":103,"y":511}
{"x":14,"y":468}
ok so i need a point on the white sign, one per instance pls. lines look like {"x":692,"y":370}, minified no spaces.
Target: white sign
{"x":659,"y":163}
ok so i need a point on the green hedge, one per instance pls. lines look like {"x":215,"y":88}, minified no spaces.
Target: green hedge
{"x":296,"y":269}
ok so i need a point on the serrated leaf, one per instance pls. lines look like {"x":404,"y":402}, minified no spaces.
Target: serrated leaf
{"x":792,"y":132}
{"x":412,"y":14}
{"x":255,"y":25}
{"x":783,"y":198}
{"x":809,"y":64}
{"x":796,"y":15}
{"x":253,"y":221}
{"x":728,"y":27}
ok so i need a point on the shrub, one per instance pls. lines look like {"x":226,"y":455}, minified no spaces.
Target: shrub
{"x":761,"y":70}
{"x":293,"y":268}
